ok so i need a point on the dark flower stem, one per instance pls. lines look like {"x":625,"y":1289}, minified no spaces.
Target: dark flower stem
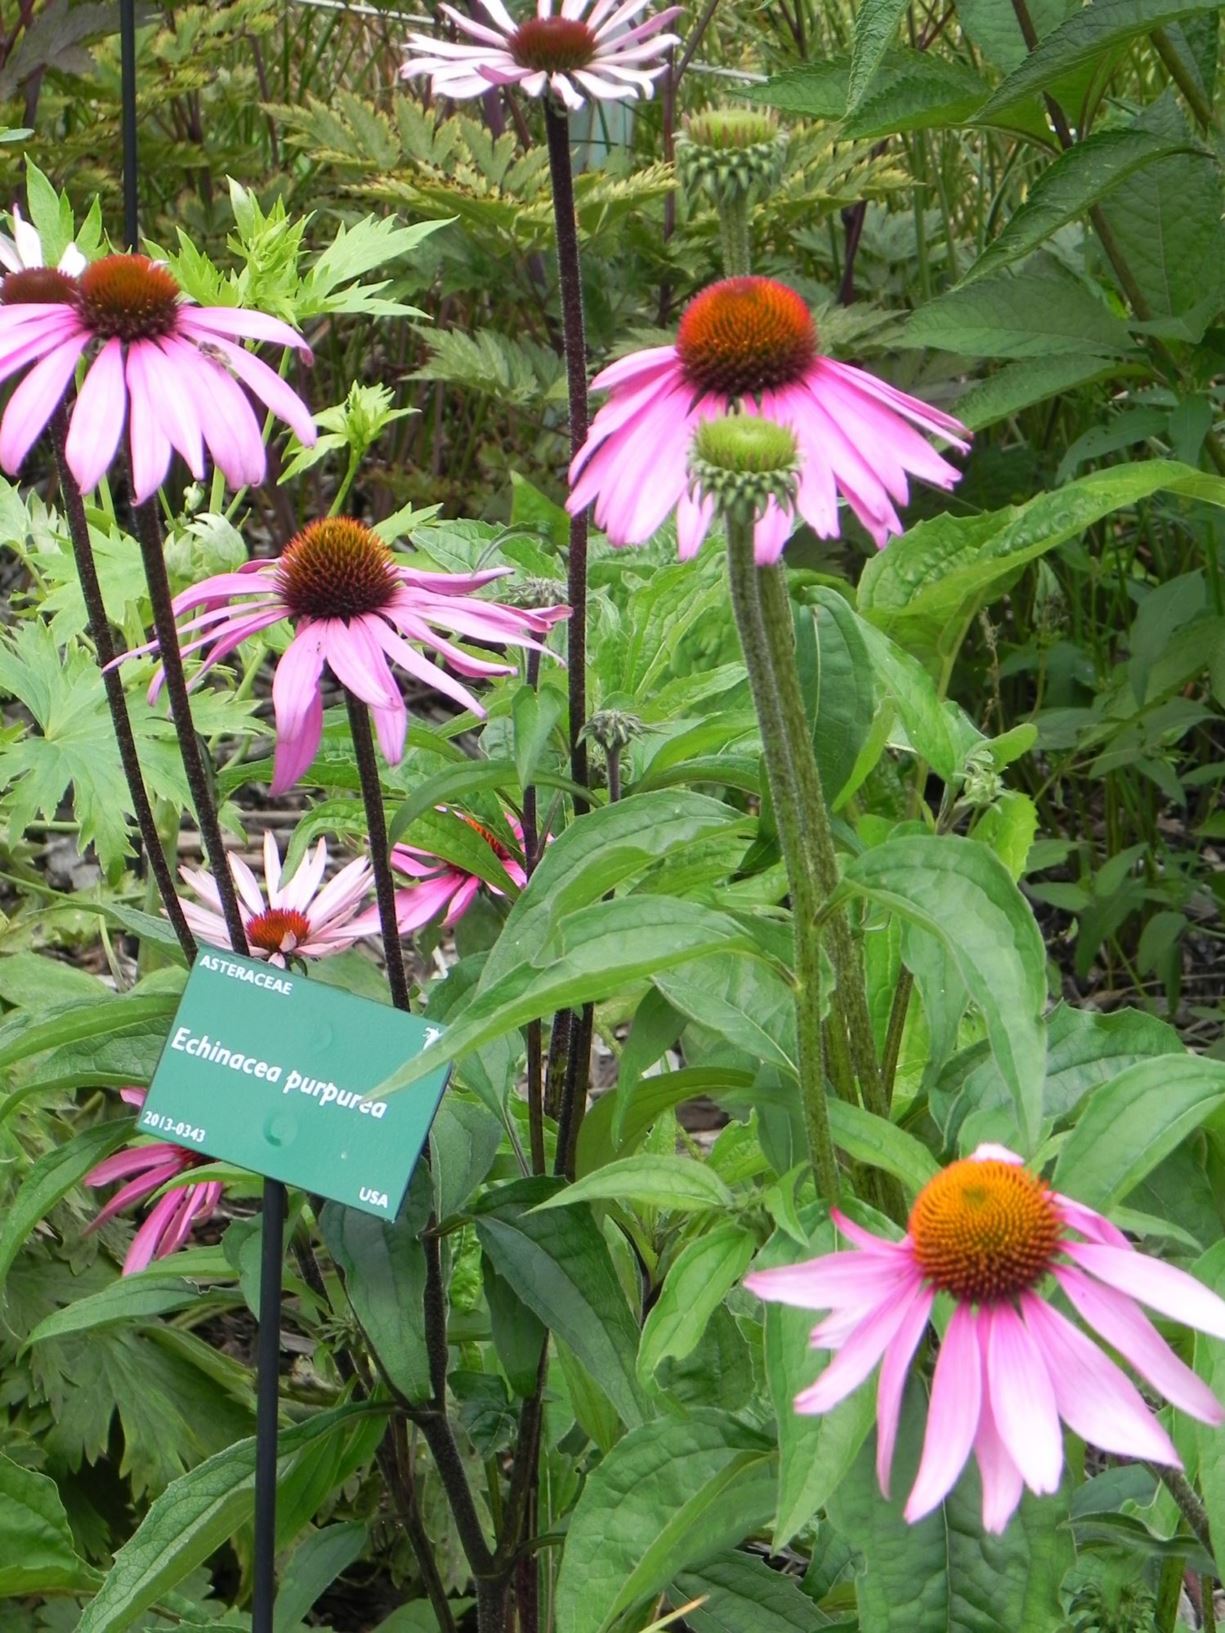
{"x":380,"y":850}
{"x":149,"y":532}
{"x":100,"y":634}
{"x":570,"y":282}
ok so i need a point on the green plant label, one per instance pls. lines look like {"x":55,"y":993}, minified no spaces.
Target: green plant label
{"x":270,"y":1071}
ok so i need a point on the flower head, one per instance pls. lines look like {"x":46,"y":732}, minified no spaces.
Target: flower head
{"x":172,"y":371}
{"x":443,"y":887}
{"x":300,"y":917}
{"x":988,"y":1233}
{"x":23,"y":252}
{"x":587,"y":49}
{"x":751,"y":344}
{"x":359,"y":609}
{"x":145,"y":1169}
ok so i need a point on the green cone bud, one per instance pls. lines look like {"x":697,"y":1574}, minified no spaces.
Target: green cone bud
{"x":733,"y":155}
{"x":743,"y":461}
{"x":613,"y":729}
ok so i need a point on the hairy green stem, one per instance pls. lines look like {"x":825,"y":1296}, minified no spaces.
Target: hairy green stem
{"x":743,"y":575}
{"x":1188,"y":1500}
{"x":734,"y":237}
{"x":851,"y":996}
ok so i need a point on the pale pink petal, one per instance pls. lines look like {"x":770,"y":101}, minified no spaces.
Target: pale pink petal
{"x":1001,"y":1478}
{"x":462,"y":900}
{"x":892,"y":1380}
{"x":824,"y":1283}
{"x":356,"y":660}
{"x":35,"y":400}
{"x":298,"y":707}
{"x":1090,"y":1223}
{"x":272,"y":869}
{"x":1023,"y":1399}
{"x":179,"y":418}
{"x":391,"y":729}
{"x":234,"y":323}
{"x":952,"y":1416}
{"x":274,"y":392}
{"x":297,"y":894}
{"x":147,"y":439}
{"x":861,"y":1351}
{"x":421,"y":669}
{"x":247,"y":886}
{"x":1096,"y":1400}
{"x":1127,"y":1329}
{"x":1163,"y":1288}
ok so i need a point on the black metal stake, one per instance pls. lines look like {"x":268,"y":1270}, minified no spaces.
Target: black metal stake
{"x":267,"y":1403}
{"x":127,"y":93}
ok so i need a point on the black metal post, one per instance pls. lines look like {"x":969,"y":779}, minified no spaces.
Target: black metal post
{"x":127,"y":91}
{"x":267,"y":1402}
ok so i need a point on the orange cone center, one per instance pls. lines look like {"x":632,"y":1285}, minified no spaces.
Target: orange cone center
{"x":985,"y":1230}
{"x":336,"y":568}
{"x":746,"y":335}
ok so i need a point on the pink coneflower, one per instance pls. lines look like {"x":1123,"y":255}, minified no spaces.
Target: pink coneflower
{"x":586,"y":48}
{"x":442,"y":887}
{"x":292,"y":918}
{"x":750,"y":343}
{"x":24,"y":251}
{"x":146,"y":1168}
{"x":173,"y":371}
{"x":1010,"y":1366}
{"x":357,"y":609}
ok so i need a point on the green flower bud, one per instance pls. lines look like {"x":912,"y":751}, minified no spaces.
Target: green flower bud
{"x":743,"y":461}
{"x":733,"y":155}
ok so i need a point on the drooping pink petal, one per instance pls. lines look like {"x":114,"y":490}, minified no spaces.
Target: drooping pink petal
{"x":1096,"y":1400}
{"x":1127,"y":1329}
{"x":861,"y":1351}
{"x":147,"y":439}
{"x":35,"y":400}
{"x":892,"y":1381}
{"x":1163,"y":1288}
{"x":1001,"y":1478}
{"x":298,"y":707}
{"x":1023,"y":1399}
{"x":824,"y":1283}
{"x":952,"y":1416}
{"x":206,"y":323}
{"x":271,"y":390}
{"x":356,"y":660}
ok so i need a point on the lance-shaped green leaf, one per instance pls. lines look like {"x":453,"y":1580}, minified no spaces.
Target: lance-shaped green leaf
{"x":52,"y":1177}
{"x":652,"y":1181}
{"x":961,"y":893}
{"x":701,"y":1276}
{"x":876,"y":26}
{"x":39,"y":1553}
{"x":881,"y":1144}
{"x":558,"y":1264}
{"x":1084,"y":39}
{"x":1129,"y":1124}
{"x":740,"y":1593}
{"x":595,"y":953}
{"x":1041,"y":311}
{"x":30,"y":1031}
{"x":197,"y":1514}
{"x":1066,"y":189}
{"x":668,"y":1496}
{"x":140,"y":1297}
{"x":609,"y":846}
{"x":1032,"y":380}
{"x":929,"y":584}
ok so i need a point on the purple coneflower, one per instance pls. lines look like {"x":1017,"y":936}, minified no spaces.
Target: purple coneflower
{"x":585,"y":49}
{"x":441,"y":886}
{"x":989,"y":1233}
{"x":296,"y":918}
{"x":751,"y":344}
{"x":172,"y":371}
{"x":146,"y":1168}
{"x":358,"y":609}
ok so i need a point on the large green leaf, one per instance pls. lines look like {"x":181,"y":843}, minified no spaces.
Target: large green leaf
{"x":669,"y":1495}
{"x":881,"y":1144}
{"x":150,"y":1293}
{"x":650,"y":1180}
{"x":1032,"y":380}
{"x":314,"y":1565}
{"x":930,"y":583}
{"x":384,"y":1270}
{"x":29,"y":1032}
{"x":1082,"y":41}
{"x":52,"y":1177}
{"x":594,"y":954}
{"x":196,"y":1515}
{"x":38,"y":1554}
{"x":946,"y":1574}
{"x":700,"y":1277}
{"x":992,"y":26}
{"x":1041,"y":311}
{"x":740,"y":998}
{"x":1166,"y":221}
{"x":837,"y":686}
{"x":610,"y":845}
{"x":909,"y":90}
{"x":558,"y":1264}
{"x":740,"y":1593}
{"x":876,"y":26}
{"x":1066,"y":189}
{"x":1129,"y":1124}
{"x":815,"y":1453}
{"x":961,"y":893}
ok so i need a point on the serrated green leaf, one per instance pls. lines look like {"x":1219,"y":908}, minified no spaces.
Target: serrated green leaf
{"x":1031,"y":380}
{"x":1041,"y":311}
{"x":677,"y":1183}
